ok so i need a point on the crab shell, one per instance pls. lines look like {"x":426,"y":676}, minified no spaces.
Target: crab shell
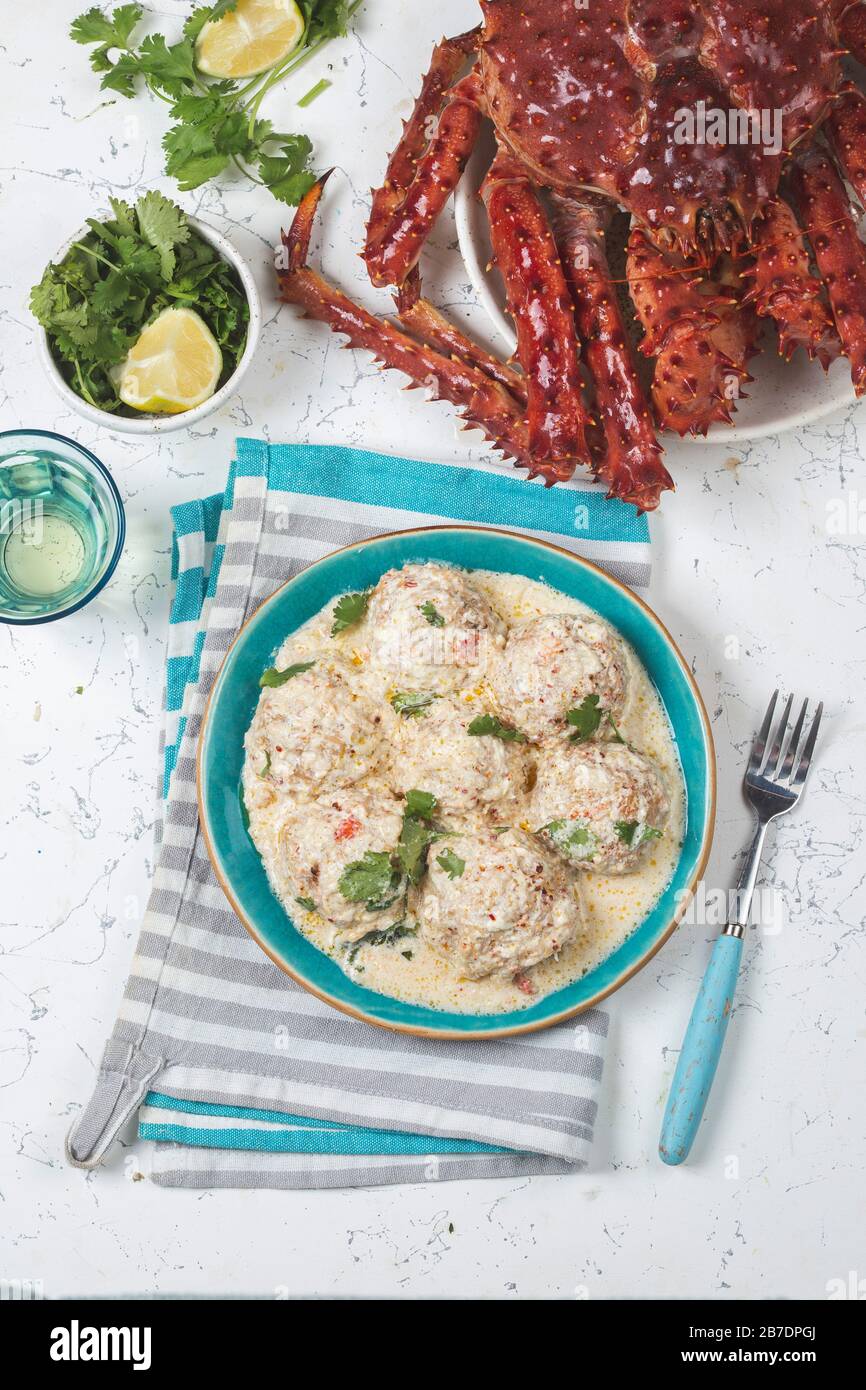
{"x":593,"y":96}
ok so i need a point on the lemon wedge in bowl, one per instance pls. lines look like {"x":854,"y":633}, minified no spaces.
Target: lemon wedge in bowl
{"x":254,"y":36}
{"x":174,"y":365}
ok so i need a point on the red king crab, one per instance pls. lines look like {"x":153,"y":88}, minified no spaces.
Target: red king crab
{"x":724,"y":128}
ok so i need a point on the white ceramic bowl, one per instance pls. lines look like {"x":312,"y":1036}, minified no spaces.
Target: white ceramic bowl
{"x":782,"y":396}
{"x":163,"y":424}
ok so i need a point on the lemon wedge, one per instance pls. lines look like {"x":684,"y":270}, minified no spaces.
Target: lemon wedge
{"x":254,"y":36}
{"x":174,"y":365}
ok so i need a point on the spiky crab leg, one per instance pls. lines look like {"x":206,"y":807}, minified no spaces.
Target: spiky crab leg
{"x":485,"y":404}
{"x":699,"y":333}
{"x":664,"y":291}
{"x":785,"y":289}
{"x":632,"y":462}
{"x":824,"y":211}
{"x":426,"y":166}
{"x":540,"y":305}
{"x":847,"y":127}
{"x":429,"y":324}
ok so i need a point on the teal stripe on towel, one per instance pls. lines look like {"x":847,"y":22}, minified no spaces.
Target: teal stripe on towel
{"x":440,"y":490}
{"x":297,"y":1133}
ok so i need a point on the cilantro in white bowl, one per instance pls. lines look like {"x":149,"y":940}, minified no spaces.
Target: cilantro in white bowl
{"x":114,"y":279}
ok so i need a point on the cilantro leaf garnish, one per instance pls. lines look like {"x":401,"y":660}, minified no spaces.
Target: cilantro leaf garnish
{"x":372,"y":880}
{"x":380,"y":878}
{"x":272,"y":678}
{"x":267,"y":767}
{"x":113,"y":32}
{"x":432,"y":614}
{"x":418,"y":833}
{"x":421,"y":804}
{"x":489,"y":724}
{"x":636,"y":833}
{"x":573,"y":839}
{"x":349,"y":610}
{"x":384,"y":936}
{"x":412,"y":704}
{"x":164,"y":226}
{"x":451,"y":863}
{"x":217,"y":124}
{"x":412,"y":848}
{"x":307,"y":903}
{"x":585,"y":719}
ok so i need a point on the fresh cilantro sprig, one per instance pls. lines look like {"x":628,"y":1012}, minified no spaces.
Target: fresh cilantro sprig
{"x":122,"y":274}
{"x":636,"y":833}
{"x":586,"y":720}
{"x":349,"y":610}
{"x":217,"y":126}
{"x":431,"y":613}
{"x":451,"y":863}
{"x":374,"y":880}
{"x":489,"y":724}
{"x":575,"y":840}
{"x":272,"y":679}
{"x":412,"y":704}
{"x":380,"y":878}
{"x":385,"y":936}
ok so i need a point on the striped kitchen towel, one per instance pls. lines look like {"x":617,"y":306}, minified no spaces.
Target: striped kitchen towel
{"x":241,"y":1077}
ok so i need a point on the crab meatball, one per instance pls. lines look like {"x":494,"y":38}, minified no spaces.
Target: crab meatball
{"x":599,"y":805}
{"x":430,"y":628}
{"x":496,"y":904}
{"x":468,"y":774}
{"x":316,"y":731}
{"x":318,"y":843}
{"x":552,"y":664}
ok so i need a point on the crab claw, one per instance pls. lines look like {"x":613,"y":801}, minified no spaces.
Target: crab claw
{"x":484,"y":402}
{"x":297,"y":239}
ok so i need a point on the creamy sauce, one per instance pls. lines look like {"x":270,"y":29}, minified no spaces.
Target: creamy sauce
{"x":614,"y":906}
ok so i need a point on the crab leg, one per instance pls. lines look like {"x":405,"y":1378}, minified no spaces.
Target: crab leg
{"x":540,"y":305}
{"x":851,"y":26}
{"x":847,"y":123}
{"x":786,"y":290}
{"x":426,"y":166}
{"x":822,"y":204}
{"x":699,"y":332}
{"x":427,"y":322}
{"x":632,"y":465}
{"x":485,"y":404}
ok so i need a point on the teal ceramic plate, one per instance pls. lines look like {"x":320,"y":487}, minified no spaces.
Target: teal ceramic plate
{"x":234,"y":699}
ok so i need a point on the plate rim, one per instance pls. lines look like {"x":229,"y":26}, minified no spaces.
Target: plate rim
{"x":424,"y":1030}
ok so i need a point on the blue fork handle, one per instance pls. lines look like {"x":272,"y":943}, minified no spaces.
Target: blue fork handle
{"x":701,"y":1049}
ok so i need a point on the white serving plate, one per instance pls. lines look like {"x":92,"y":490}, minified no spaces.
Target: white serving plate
{"x":784,"y":395}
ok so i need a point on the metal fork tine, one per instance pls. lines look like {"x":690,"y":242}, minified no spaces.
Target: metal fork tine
{"x":757,"y":754}
{"x":774,"y":756}
{"x":793,"y":744}
{"x":806,"y":756}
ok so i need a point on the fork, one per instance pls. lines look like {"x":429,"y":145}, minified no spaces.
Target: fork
{"x":772,"y":785}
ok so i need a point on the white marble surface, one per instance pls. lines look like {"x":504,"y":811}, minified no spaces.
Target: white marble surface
{"x":756,"y":587}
